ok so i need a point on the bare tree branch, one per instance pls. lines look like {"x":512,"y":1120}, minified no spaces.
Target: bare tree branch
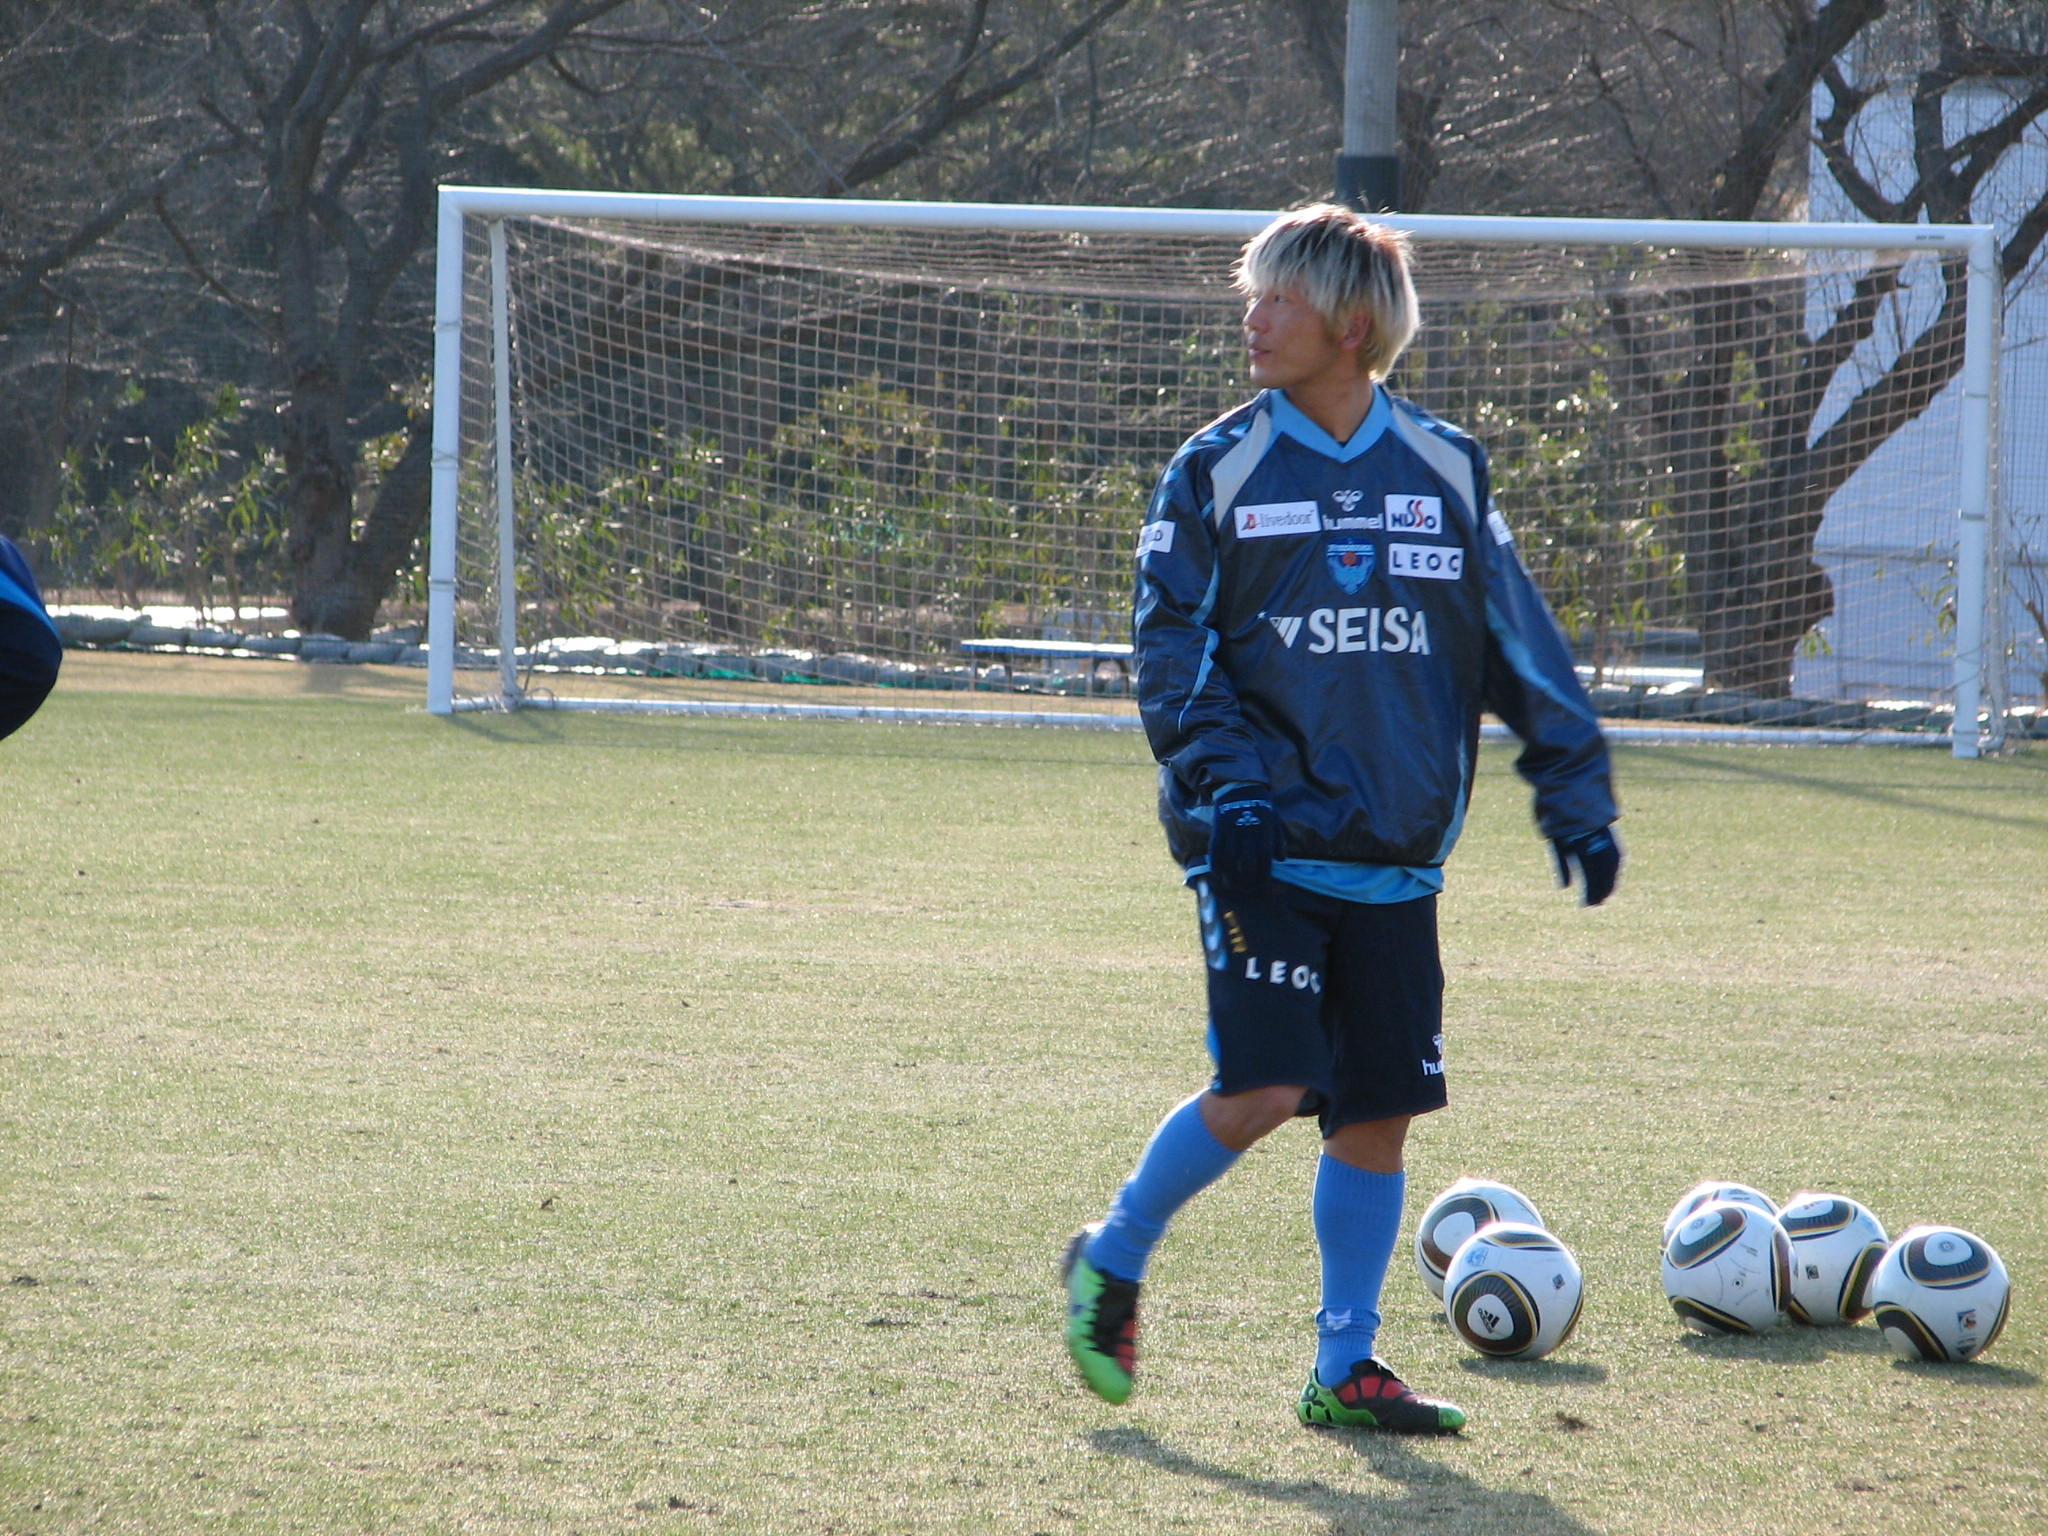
{"x":946,"y":108}
{"x":32,"y":270}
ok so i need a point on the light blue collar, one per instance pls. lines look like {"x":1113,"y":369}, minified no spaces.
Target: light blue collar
{"x":1291,"y":419}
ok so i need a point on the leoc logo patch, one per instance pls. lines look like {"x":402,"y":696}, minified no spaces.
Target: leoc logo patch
{"x":1350,"y":563}
{"x":1273,"y":519}
{"x":1415,"y":514}
{"x":1430,"y":562}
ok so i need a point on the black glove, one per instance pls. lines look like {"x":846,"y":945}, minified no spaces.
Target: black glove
{"x":1245,"y":840}
{"x":1597,"y":858}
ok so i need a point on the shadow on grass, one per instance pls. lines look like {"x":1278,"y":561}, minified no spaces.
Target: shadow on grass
{"x":1432,"y":1495}
{"x":1785,"y":1345}
{"x":1971,"y":1372}
{"x":1807,"y":1346}
{"x":1786,"y":771}
{"x":1544,"y":1372}
{"x":775,"y":737}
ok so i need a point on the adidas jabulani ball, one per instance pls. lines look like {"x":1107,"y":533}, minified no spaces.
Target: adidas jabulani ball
{"x":1727,"y":1269}
{"x":1836,"y":1243}
{"x":1455,"y":1215}
{"x":1714,"y":1189}
{"x":1939,"y":1293}
{"x":1513,"y":1291}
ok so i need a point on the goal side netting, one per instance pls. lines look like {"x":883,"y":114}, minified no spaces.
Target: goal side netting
{"x":888,"y":460}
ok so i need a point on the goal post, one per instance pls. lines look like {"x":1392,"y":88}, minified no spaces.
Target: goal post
{"x":888,"y":459}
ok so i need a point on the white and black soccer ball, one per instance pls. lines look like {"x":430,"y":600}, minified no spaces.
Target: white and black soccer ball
{"x":1455,"y":1215}
{"x":1836,"y":1244}
{"x":1714,"y":1189}
{"x":1728,"y":1269}
{"x":1939,"y":1293}
{"x":1513,"y":1291}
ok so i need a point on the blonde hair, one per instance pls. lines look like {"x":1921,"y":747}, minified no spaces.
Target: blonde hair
{"x":1344,"y":265}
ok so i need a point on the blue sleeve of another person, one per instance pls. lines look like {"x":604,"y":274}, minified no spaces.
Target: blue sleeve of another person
{"x":18,"y":583}
{"x":30,"y":651}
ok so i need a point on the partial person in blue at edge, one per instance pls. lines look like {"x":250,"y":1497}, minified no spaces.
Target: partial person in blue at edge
{"x":1326,"y":601}
{"x":30,"y":651}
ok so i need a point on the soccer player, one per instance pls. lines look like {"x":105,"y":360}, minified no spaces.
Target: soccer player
{"x":1326,"y":600}
{"x":30,"y":651}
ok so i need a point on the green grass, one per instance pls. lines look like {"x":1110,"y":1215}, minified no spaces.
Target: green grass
{"x":537,"y":1124}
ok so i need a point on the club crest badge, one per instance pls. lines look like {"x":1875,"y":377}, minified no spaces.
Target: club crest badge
{"x":1351,"y":563}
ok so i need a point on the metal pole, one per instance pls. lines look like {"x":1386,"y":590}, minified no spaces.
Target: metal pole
{"x":1976,"y":649}
{"x":1368,"y":169}
{"x":501,"y":411}
{"x":446,"y":469}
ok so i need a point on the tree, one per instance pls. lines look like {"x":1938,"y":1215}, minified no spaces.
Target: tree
{"x":201,"y":192}
{"x":324,"y":131}
{"x":95,"y":134}
{"x":1629,"y":94}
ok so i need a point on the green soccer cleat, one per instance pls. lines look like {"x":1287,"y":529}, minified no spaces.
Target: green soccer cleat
{"x":1102,"y":1322}
{"x":1373,"y":1397}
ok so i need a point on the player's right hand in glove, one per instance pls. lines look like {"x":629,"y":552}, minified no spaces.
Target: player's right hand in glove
{"x":1245,"y":840}
{"x":1597,"y":858}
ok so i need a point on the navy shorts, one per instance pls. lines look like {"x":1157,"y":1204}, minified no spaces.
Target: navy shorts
{"x":1343,"y":997}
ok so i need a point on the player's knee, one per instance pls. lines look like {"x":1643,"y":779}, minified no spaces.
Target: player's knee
{"x":1375,"y":1145}
{"x":1239,"y":1119}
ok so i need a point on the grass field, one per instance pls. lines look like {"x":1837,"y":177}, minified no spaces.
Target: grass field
{"x":545,"y":1124}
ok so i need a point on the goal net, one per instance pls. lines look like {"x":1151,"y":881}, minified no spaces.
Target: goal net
{"x":889,"y":459}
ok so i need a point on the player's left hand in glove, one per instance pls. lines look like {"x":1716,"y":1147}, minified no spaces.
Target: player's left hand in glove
{"x":1245,"y":840}
{"x":1596,"y":856}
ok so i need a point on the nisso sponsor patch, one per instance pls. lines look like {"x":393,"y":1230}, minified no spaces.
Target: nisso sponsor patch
{"x":1272,"y":519}
{"x":1155,"y":538}
{"x":1430,"y":562}
{"x":1415,"y":514}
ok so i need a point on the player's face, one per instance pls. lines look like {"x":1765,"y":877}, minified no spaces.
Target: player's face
{"x":1291,"y":345}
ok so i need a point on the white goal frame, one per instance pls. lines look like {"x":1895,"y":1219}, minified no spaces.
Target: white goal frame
{"x":1979,"y":600}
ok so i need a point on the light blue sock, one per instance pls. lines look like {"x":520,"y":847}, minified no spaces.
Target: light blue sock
{"x":1357,"y":1222}
{"x":1182,"y":1159}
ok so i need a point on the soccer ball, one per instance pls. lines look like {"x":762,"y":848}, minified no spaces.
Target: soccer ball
{"x":1455,"y":1215}
{"x":1714,"y":1189}
{"x":1836,"y":1243}
{"x":1939,"y":1293}
{"x":1513,"y":1291}
{"x":1728,"y":1269}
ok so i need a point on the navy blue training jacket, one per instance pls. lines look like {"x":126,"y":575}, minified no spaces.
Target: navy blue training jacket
{"x":1331,"y":620}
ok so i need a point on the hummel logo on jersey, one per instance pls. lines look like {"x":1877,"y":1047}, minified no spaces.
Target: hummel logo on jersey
{"x":1415,"y":514}
{"x":1347,"y":503}
{"x":1274,"y":518}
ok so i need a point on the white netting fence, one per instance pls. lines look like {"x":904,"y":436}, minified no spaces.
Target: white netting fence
{"x":756,"y":455}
